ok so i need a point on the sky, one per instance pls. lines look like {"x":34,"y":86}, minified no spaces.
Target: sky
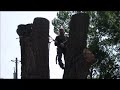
{"x":10,"y":46}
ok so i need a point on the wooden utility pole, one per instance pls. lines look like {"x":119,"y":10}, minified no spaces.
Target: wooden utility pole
{"x":16,"y":68}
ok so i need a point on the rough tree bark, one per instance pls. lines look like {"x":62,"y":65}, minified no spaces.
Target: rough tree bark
{"x":75,"y":65}
{"x":24,"y":31}
{"x":34,"y":49}
{"x":40,"y":41}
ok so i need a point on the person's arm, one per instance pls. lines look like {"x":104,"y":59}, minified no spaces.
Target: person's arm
{"x":56,"y":41}
{"x":66,"y":42}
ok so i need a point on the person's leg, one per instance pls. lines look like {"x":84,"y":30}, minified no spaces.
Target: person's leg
{"x":64,"y":53}
{"x":59,"y":52}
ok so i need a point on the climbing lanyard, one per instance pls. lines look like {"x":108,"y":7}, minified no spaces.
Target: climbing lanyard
{"x":51,"y":38}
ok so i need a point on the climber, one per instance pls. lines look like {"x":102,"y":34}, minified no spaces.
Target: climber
{"x":60,"y":42}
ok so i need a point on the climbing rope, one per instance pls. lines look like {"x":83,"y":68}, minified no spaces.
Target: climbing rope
{"x":50,"y":42}
{"x":51,"y":38}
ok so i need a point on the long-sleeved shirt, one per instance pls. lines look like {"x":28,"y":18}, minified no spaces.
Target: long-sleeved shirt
{"x":60,"y":39}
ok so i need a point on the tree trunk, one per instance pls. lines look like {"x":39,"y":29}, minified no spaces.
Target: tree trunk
{"x":75,"y":65}
{"x":34,"y":49}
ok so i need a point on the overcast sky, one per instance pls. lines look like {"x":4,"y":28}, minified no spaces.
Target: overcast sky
{"x":10,"y":46}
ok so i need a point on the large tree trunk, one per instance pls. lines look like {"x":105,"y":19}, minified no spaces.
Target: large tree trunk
{"x":40,"y":41}
{"x":34,"y":49}
{"x":27,"y":57}
{"x":75,"y":65}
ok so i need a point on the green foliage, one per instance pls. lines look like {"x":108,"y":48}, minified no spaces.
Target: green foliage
{"x":103,"y":39}
{"x":104,"y":26}
{"x":63,"y":19}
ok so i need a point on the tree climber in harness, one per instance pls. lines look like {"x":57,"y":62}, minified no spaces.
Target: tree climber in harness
{"x":60,"y":42}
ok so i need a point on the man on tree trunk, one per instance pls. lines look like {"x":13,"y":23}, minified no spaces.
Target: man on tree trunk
{"x":60,"y":42}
